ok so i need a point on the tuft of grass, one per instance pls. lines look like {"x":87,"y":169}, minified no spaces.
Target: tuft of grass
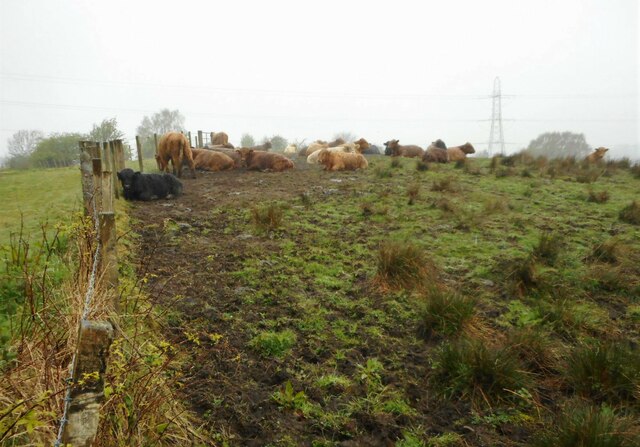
{"x":267,"y":217}
{"x":382,"y":172}
{"x":526,"y":173}
{"x":395,"y":162}
{"x":495,"y":205}
{"x":421,"y":166}
{"x":484,"y":373}
{"x":273,"y":344}
{"x":403,"y":265}
{"x":460,"y":164}
{"x":607,"y":251}
{"x":413,"y":191}
{"x":589,"y":426}
{"x":505,"y":172}
{"x":524,"y":274}
{"x":445,"y":184}
{"x":598,"y":197}
{"x":443,"y":312}
{"x":548,"y":248}
{"x":534,"y":349}
{"x":605,"y":371}
{"x":630,"y":213}
{"x":588,"y":176}
{"x":305,"y":199}
{"x":635,"y":170}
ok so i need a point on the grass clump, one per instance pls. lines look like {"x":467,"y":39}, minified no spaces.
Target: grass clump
{"x":273,"y":344}
{"x":471,"y":368}
{"x":598,"y":197}
{"x":534,"y":349}
{"x":382,"y":172}
{"x":444,"y":313}
{"x":607,"y":251}
{"x":421,"y":166}
{"x":403,"y":265}
{"x":630,"y":213}
{"x":548,"y":248}
{"x":413,"y":191}
{"x":605,"y":371}
{"x":442,"y":185}
{"x":523,"y":274}
{"x":589,"y":426}
{"x":395,"y":163}
{"x":267,"y":217}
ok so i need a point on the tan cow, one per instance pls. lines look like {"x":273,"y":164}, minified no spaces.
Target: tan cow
{"x":597,"y":155}
{"x":397,"y":150}
{"x":341,"y":161}
{"x":213,"y":161}
{"x":314,"y":147}
{"x":219,"y":138}
{"x":460,"y":152}
{"x":174,"y":147}
{"x":264,"y":161}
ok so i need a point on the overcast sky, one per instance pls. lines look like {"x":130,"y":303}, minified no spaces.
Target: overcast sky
{"x":410,"y":70}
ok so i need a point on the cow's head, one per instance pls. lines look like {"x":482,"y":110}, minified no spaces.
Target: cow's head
{"x":601,"y":151}
{"x":467,"y":148}
{"x":126,"y":178}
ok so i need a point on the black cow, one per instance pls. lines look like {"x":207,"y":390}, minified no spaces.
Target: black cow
{"x":138,"y":186}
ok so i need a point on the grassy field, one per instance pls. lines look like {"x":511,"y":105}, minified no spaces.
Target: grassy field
{"x":489,"y":304}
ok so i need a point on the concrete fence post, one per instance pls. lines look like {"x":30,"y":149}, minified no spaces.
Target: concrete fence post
{"x":87,"y":393}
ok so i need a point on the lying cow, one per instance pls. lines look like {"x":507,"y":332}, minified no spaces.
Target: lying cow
{"x":457,"y":153}
{"x":264,"y":161}
{"x":139,"y":186}
{"x":292,"y":149}
{"x":174,"y":147}
{"x":341,"y":161}
{"x":597,"y":155}
{"x":351,"y":148}
{"x":397,"y":150}
{"x":219,"y":138}
{"x":315,"y":146}
{"x":436,"y":153}
{"x":215,"y":147}
{"x":213,"y":161}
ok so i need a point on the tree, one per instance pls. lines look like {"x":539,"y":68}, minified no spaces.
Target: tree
{"x":346,"y":136}
{"x":559,"y":144}
{"x":107,"y":130}
{"x":278,"y":143}
{"x":21,"y":145}
{"x":159,"y":123}
{"x":247,"y":140}
{"x":59,"y":149}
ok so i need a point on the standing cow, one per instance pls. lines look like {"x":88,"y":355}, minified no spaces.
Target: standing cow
{"x":174,"y":147}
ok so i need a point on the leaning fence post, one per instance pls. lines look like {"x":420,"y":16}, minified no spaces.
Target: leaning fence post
{"x":139,"y":151}
{"x":87,"y":393}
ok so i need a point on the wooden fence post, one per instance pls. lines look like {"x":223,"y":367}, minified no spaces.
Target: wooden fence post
{"x":112,"y":166}
{"x":190,"y":143}
{"x":86,"y":176}
{"x":87,"y":393}
{"x":199,"y":142}
{"x":211,"y":137}
{"x":119,"y":149}
{"x":97,"y":185}
{"x":109,"y":259}
{"x":155,"y":140}
{"x":139,"y":150}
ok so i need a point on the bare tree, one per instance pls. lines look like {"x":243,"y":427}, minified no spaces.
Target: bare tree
{"x":24,"y":142}
{"x":159,"y":123}
{"x":345,"y":135}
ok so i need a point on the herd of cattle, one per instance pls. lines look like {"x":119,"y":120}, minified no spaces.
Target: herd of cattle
{"x":220,"y":155}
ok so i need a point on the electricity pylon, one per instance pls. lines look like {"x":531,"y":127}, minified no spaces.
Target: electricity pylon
{"x":496,"y":120}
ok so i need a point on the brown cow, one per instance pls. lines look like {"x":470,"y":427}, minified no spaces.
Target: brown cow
{"x":460,"y":152}
{"x":336,"y":142}
{"x":397,"y":150}
{"x":213,"y":161}
{"x":597,"y":155}
{"x":263,"y":161}
{"x":315,"y":146}
{"x":435,"y":154}
{"x":235,"y":156}
{"x":215,"y":147}
{"x":364,"y":145}
{"x":174,"y":147}
{"x":341,"y":161}
{"x":219,"y":138}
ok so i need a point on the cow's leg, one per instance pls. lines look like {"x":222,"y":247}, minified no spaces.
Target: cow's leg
{"x":192,"y":166}
{"x":177,"y":165}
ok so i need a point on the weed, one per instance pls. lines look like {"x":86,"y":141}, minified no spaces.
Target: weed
{"x":484,"y":373}
{"x":598,"y":197}
{"x":288,"y":398}
{"x":305,"y":199}
{"x":403,"y":265}
{"x":446,"y":440}
{"x":630,"y":213}
{"x":444,"y":204}
{"x":548,"y":248}
{"x":445,"y":184}
{"x":526,"y":173}
{"x":273,"y":344}
{"x":504,"y":172}
{"x":267,"y":217}
{"x":444,"y":313}
{"x":413,"y":191}
{"x":366,"y":208}
{"x":589,"y":426}
{"x":421,"y":166}
{"x":395,"y":163}
{"x":605,"y":371}
{"x":382,"y":172}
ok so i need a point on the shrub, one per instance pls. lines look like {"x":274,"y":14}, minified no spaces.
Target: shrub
{"x":267,"y":217}
{"x":403,"y":265}
{"x":470,"y":368}
{"x":598,"y":197}
{"x":588,"y":427}
{"x":605,"y":371}
{"x":421,"y":166}
{"x":548,"y":248}
{"x":444,"y":312}
{"x":630,"y":213}
{"x":273,"y":344}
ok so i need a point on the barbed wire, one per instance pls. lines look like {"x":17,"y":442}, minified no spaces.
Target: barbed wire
{"x":87,"y":307}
